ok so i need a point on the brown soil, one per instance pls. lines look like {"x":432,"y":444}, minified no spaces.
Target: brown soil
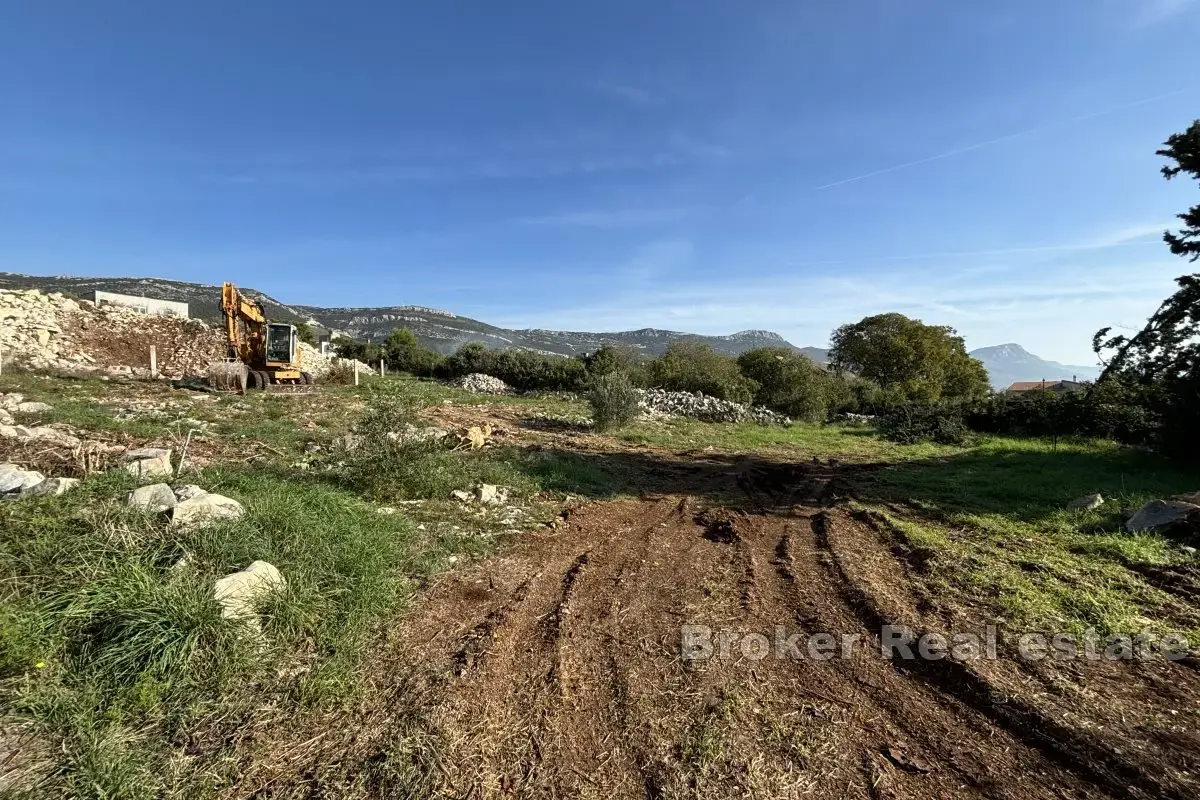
{"x":554,"y":670}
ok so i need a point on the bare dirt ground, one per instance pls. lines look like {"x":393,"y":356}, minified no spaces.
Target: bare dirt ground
{"x":554,"y":669}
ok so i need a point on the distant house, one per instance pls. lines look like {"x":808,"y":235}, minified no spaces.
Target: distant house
{"x":1053,"y":387}
{"x":146,"y":305}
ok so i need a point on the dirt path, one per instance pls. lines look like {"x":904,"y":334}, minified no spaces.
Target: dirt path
{"x":555,"y":670}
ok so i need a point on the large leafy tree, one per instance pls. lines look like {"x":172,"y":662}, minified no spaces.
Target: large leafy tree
{"x":911,"y":361}
{"x":1163,"y":358}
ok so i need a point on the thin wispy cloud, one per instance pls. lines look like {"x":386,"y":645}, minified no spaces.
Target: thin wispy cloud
{"x":971,"y":148}
{"x":609,"y":219}
{"x":1129,"y":236}
{"x":1152,"y":12}
{"x":633,"y":95}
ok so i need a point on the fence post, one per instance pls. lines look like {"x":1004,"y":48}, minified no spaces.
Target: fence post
{"x":356,"y":372}
{"x":153,"y":362}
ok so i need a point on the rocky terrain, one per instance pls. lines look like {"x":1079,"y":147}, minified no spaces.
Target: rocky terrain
{"x":55,"y":333}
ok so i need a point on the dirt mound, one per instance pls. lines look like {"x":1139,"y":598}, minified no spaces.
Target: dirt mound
{"x":558,"y":669}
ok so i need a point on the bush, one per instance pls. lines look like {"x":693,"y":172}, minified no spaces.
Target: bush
{"x":614,"y":401}
{"x":355,"y":350}
{"x":521,"y":369}
{"x":389,"y":467}
{"x":1109,"y":411}
{"x":914,"y":424}
{"x":788,"y":382}
{"x":404,"y":353}
{"x":340,"y":373}
{"x":691,"y":366}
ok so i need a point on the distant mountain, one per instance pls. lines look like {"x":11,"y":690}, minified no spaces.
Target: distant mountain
{"x":445,"y":332}
{"x":1008,"y":363}
{"x":441,"y":331}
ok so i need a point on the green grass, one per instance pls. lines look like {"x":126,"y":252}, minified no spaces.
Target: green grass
{"x":102,"y":635}
{"x":994,"y":519}
{"x":116,"y":653}
{"x":825,"y":441}
{"x":110,"y":642}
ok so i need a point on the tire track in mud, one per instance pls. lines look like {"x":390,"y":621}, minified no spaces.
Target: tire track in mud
{"x":554,"y":669}
{"x":581,"y":691}
{"x":1073,"y":749}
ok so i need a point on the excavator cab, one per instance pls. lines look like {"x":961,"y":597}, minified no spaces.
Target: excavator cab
{"x":281,"y":343}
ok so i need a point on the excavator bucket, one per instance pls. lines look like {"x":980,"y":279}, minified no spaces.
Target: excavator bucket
{"x":228,"y":376}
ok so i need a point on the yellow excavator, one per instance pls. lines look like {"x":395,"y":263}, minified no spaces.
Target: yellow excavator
{"x":262,"y":355}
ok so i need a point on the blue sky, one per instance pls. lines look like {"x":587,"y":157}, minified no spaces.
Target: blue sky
{"x":702,"y":165}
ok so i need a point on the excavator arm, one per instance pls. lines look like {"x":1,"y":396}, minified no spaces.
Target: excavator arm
{"x":238,"y":308}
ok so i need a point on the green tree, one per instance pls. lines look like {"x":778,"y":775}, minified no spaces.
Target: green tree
{"x":609,"y":359}
{"x":1184,"y":150}
{"x":909,"y":360}
{"x":788,"y":382}
{"x":306,"y":333}
{"x":346,"y":347}
{"x":404,"y":353}
{"x":1163,"y":359}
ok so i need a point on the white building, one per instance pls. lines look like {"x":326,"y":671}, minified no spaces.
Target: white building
{"x":146,"y":305}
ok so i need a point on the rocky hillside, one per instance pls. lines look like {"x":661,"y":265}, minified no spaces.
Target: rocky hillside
{"x":1008,"y":363}
{"x":204,"y":300}
{"x":445,"y":332}
{"x":441,"y":331}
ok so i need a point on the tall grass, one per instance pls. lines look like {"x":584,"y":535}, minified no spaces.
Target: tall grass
{"x":103,"y":631}
{"x":387,"y":463}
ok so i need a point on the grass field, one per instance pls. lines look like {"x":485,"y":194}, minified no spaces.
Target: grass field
{"x":111,"y":650}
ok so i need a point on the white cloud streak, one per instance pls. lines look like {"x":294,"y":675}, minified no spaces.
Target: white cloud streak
{"x":633,"y":95}
{"x":958,"y":151}
{"x":1152,"y":12}
{"x":610,"y":219}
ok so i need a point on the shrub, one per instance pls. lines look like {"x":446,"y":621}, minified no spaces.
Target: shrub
{"x":1110,"y":411}
{"x":609,"y":359}
{"x":691,"y":366}
{"x":614,"y":401}
{"x":355,"y":350}
{"x":404,"y":353}
{"x":340,"y":373}
{"x":387,"y":467}
{"x":913,"y":424}
{"x":521,"y":369}
{"x":788,"y":382}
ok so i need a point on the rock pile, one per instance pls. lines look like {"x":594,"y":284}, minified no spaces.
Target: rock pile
{"x":318,"y":365}
{"x":702,"y":407}
{"x":478,"y":383}
{"x":188,"y":504}
{"x":53,"y":332}
{"x":18,"y":482}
